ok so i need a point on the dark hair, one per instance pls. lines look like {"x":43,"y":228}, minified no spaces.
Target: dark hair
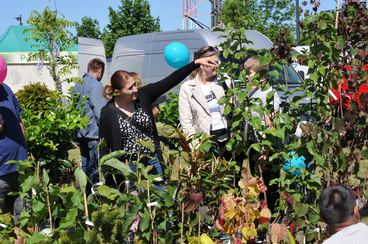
{"x":204,"y":52}
{"x":95,"y":64}
{"x":336,"y":204}
{"x":117,"y":82}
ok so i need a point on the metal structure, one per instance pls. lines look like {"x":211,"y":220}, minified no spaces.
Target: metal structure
{"x":19,"y":19}
{"x":297,"y":21}
{"x":190,"y":14}
{"x":215,"y":13}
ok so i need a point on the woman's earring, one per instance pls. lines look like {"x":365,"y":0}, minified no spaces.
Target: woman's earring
{"x":116,"y":93}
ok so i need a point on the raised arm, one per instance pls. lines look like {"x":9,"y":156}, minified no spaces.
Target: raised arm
{"x":154,"y":90}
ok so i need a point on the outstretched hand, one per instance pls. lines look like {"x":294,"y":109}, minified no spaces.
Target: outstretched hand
{"x":207,"y":61}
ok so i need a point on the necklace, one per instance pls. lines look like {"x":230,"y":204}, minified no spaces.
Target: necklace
{"x":126,"y":111}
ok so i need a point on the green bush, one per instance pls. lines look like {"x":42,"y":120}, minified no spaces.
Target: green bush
{"x":35,"y":97}
{"x":51,"y":127}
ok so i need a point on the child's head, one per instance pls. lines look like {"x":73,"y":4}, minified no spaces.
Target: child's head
{"x":252,"y":65}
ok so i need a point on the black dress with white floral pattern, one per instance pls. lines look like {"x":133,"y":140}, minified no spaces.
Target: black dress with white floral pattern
{"x":131,"y":136}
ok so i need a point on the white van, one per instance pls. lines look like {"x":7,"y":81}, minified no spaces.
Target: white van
{"x":144,"y":53}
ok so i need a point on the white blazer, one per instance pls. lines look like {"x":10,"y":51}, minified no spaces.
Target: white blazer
{"x":194,"y":113}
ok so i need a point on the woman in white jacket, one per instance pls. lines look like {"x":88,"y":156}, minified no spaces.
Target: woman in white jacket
{"x":199,"y":110}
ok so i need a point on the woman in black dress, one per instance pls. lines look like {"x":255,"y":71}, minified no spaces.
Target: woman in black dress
{"x":127,"y":118}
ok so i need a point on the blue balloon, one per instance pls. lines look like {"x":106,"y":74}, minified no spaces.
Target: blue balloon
{"x":295,"y":164}
{"x":176,"y":55}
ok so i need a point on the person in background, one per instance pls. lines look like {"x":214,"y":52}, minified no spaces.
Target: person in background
{"x":127,"y":118}
{"x":12,"y":147}
{"x":258,"y":160}
{"x":199,"y":110}
{"x":339,"y":211}
{"x":253,"y":66}
{"x":91,"y":101}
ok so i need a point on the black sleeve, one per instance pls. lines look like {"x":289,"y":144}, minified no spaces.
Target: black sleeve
{"x":104,"y":132}
{"x":154,"y":90}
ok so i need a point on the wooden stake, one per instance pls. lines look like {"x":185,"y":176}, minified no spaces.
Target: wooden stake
{"x":337,"y":14}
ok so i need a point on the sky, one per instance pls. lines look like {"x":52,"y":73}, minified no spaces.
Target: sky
{"x":169,"y":11}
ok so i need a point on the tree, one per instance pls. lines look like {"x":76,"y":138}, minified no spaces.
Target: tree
{"x":266,"y":16}
{"x":131,"y":18}
{"x":88,"y":28}
{"x":49,"y":31}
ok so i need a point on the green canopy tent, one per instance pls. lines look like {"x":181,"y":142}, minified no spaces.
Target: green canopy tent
{"x":15,"y":48}
{"x":21,"y":70}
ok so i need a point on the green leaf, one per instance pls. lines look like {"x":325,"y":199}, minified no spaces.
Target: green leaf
{"x":145,"y":221}
{"x":301,"y":210}
{"x":120,"y":166}
{"x":148,"y":144}
{"x":45,"y":177}
{"x":167,"y":131}
{"x":37,"y":206}
{"x":77,"y":199}
{"x":28,"y":183}
{"x":108,"y":192}
{"x":115,"y":154}
{"x":314,"y":218}
{"x":37,"y":238}
{"x":68,"y":189}
{"x":81,"y":179}
{"x":290,"y":236}
{"x":363,"y":169}
{"x":5,"y":218}
{"x":24,"y":217}
{"x":69,"y":219}
{"x":364,"y":153}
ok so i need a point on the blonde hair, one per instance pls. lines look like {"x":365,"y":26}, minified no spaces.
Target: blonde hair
{"x":117,"y":82}
{"x":253,"y":64}
{"x":137,"y":79}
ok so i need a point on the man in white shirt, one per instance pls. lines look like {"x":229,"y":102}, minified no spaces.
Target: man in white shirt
{"x":339,"y":210}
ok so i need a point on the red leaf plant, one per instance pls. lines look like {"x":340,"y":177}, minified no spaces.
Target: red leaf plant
{"x":239,"y":214}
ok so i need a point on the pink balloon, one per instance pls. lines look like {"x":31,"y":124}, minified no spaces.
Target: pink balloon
{"x":3,"y":69}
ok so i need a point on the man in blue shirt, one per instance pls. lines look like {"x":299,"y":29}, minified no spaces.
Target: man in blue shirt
{"x":12,"y":147}
{"x":91,"y":100}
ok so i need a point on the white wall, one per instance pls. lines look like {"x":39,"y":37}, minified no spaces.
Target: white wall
{"x":20,"y":75}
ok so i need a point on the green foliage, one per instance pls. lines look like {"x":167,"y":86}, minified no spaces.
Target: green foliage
{"x":52,"y":202}
{"x":333,"y":142}
{"x":332,"y":148}
{"x":50,"y":132}
{"x":7,"y":234}
{"x":169,"y":113}
{"x":35,"y":97}
{"x":88,"y":28}
{"x":132,"y":17}
{"x":49,"y":30}
{"x":265,"y":16}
